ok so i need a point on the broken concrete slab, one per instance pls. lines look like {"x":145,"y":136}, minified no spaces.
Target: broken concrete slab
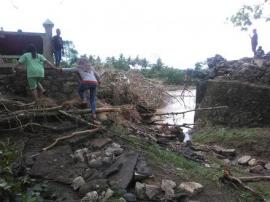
{"x":123,"y":170}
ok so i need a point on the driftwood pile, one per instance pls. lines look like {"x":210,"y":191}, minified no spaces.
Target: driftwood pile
{"x":130,"y":87}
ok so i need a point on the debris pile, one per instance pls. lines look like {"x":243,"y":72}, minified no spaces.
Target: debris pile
{"x":130,"y":87}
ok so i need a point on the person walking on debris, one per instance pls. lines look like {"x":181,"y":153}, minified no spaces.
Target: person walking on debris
{"x":58,"y":48}
{"x":259,"y":52}
{"x":254,"y":41}
{"x":88,"y":81}
{"x":35,"y":69}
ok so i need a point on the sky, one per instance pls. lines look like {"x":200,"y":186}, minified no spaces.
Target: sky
{"x":180,"y":32}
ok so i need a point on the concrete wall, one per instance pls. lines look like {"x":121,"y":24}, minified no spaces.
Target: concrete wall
{"x":60,"y":86}
{"x":249,"y":104}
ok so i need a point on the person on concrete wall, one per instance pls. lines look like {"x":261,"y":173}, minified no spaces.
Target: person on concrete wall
{"x":34,"y":63}
{"x":58,"y":48}
{"x":254,"y":41}
{"x":89,"y":80}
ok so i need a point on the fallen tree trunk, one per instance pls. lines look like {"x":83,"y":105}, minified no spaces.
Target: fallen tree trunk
{"x":184,"y":112}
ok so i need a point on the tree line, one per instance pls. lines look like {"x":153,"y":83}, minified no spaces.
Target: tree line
{"x":157,"y":70}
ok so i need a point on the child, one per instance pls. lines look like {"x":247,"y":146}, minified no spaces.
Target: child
{"x":35,"y":69}
{"x":88,"y":81}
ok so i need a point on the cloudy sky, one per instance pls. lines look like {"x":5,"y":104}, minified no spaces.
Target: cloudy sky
{"x":181,"y":32}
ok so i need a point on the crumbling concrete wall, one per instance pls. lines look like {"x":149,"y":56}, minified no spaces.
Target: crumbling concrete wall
{"x":59,"y":86}
{"x":249,"y":104}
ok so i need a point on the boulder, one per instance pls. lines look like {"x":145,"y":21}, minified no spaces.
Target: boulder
{"x":191,"y":187}
{"x":224,"y":152}
{"x":142,"y":170}
{"x":77,"y":182}
{"x":244,"y":160}
{"x":168,"y":187}
{"x":108,"y":194}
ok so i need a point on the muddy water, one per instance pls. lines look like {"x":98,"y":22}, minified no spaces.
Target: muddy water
{"x":178,"y":105}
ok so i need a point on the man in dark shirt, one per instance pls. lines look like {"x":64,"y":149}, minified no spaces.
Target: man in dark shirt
{"x":260,"y":52}
{"x":254,"y":41}
{"x":58,"y":47}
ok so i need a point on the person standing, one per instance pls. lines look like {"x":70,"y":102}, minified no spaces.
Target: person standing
{"x":254,"y":41}
{"x":35,"y":69}
{"x":89,"y":80}
{"x":58,"y":47}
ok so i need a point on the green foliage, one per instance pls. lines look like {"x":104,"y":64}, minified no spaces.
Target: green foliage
{"x":70,"y":53}
{"x":245,"y":16}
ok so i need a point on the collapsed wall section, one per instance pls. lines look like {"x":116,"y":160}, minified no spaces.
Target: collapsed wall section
{"x":248,"y":104}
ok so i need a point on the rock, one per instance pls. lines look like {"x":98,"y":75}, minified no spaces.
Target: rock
{"x":90,"y":197}
{"x":114,"y":149}
{"x":99,"y":143}
{"x":142,"y":170}
{"x":224,"y":152}
{"x":267,"y":166}
{"x":130,"y":197}
{"x":121,"y":200}
{"x":95,"y":163}
{"x":191,"y":187}
{"x":167,"y":186}
{"x":77,"y":182}
{"x":121,"y":172}
{"x":140,"y":190}
{"x":152,"y":191}
{"x":93,"y":185}
{"x":244,"y":160}
{"x":252,"y":162}
{"x":109,"y":193}
{"x":79,"y":154}
{"x":227,"y":161}
{"x":256,"y":169}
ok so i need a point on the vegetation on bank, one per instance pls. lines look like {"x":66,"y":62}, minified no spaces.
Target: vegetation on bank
{"x":254,"y":141}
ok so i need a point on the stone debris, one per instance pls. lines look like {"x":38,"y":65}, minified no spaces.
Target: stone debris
{"x":191,"y":187}
{"x":244,"y":160}
{"x":224,"y":152}
{"x":168,"y":187}
{"x":267,"y":166}
{"x":79,"y":154}
{"x":77,"y":183}
{"x":130,"y":197}
{"x":256,"y":169}
{"x":105,"y":196}
{"x":90,"y":197}
{"x":252,"y":162}
{"x":140,"y":190}
{"x":152,"y":192}
{"x":114,"y":149}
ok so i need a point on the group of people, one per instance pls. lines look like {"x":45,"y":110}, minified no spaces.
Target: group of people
{"x":34,"y":63}
{"x":254,"y":43}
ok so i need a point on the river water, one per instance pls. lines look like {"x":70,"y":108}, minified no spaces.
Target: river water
{"x":188,"y":102}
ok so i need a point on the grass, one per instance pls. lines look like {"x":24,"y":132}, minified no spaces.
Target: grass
{"x":193,"y":171}
{"x":254,"y":141}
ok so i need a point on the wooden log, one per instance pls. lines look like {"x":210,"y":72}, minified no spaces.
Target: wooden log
{"x":98,"y":110}
{"x":255,"y":178}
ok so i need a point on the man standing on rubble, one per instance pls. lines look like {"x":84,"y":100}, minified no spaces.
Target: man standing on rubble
{"x":254,"y":41}
{"x":58,"y":47}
